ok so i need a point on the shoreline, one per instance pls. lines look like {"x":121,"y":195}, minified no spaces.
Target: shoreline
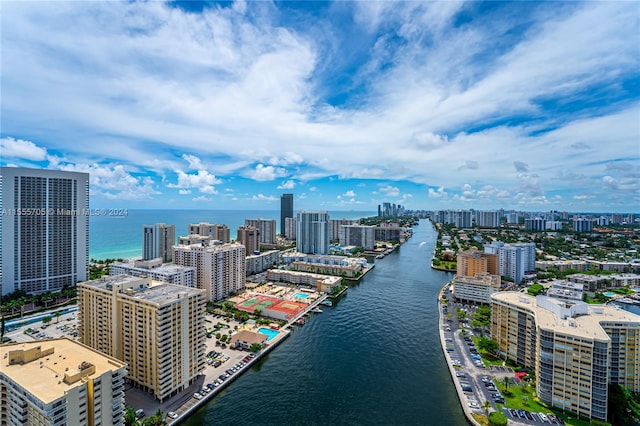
{"x":452,"y":371}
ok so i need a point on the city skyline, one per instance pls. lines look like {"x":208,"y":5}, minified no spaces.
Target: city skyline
{"x":529,"y":106}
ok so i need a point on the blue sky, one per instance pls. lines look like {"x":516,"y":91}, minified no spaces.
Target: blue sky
{"x":433,"y":105}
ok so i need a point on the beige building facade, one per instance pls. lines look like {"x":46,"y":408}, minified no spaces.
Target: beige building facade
{"x":60,"y":382}
{"x":156,"y":328}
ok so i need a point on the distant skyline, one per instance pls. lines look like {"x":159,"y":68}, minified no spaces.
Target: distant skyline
{"x":529,"y":106}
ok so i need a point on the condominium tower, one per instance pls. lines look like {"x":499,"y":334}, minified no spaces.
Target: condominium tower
{"x":220,"y":268}
{"x":44,"y":229}
{"x":357,"y":235}
{"x":156,"y":328}
{"x":212,"y":230}
{"x":249,"y":237}
{"x":576,"y":349}
{"x":60,"y":382}
{"x":471,"y":262}
{"x":158,"y":241}
{"x":286,"y":210}
{"x":266,"y":228}
{"x":312,"y":232}
{"x":514,"y":260}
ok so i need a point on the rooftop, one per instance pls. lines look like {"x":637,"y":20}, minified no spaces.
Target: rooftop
{"x":48,"y":373}
{"x":586,"y":325}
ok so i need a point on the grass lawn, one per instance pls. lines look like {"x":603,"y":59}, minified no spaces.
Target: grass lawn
{"x":516,"y":401}
{"x":481,"y":418}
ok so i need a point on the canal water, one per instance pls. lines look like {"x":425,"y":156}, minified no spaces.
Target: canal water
{"x":373,"y":358}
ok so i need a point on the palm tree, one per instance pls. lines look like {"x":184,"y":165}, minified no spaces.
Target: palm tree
{"x":57,"y":315}
{"x":486,"y":405}
{"x":505,"y":382}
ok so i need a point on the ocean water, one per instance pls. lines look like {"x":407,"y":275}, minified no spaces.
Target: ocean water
{"x":121,"y":236}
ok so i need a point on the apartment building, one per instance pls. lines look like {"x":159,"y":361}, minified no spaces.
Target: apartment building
{"x":156,"y":270}
{"x":336,"y":224}
{"x":514,"y":260}
{"x":156,"y":328}
{"x":212,"y":230}
{"x":220,"y":268}
{"x":357,"y":235}
{"x":476,"y":289}
{"x":471,"y":262}
{"x":312,"y":232}
{"x":576,"y":349}
{"x":157,"y":241}
{"x":60,"y":382}
{"x":44,"y":231}
{"x":265,"y":227}
{"x":249,"y":237}
{"x":257,"y":263}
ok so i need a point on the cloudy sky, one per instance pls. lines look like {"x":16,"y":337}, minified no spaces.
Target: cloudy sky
{"x":433,"y":105}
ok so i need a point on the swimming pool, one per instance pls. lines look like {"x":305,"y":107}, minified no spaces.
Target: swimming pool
{"x":19,"y":322}
{"x":301,"y":295}
{"x":609,"y":294}
{"x":271,"y":334}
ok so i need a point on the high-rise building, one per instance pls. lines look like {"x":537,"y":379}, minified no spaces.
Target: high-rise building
{"x":60,"y":382}
{"x":286,"y":210}
{"x":576,"y":349}
{"x":158,"y":241}
{"x":156,"y":328}
{"x":266,"y":229}
{"x":514,"y":260}
{"x":249,"y":237}
{"x":290,"y":228}
{"x":44,"y":229}
{"x":212,"y":230}
{"x":334,"y":227}
{"x":462,"y":219}
{"x":582,"y":224}
{"x":535,"y":224}
{"x":220,"y":268}
{"x":487,"y":219}
{"x":473,"y":261}
{"x":358,"y":235}
{"x":312,"y":234}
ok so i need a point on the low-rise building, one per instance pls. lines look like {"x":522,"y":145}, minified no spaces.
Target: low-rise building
{"x":322,"y":283}
{"x":156,"y":270}
{"x":257,"y":263}
{"x":477,"y":289}
{"x":243,"y":339}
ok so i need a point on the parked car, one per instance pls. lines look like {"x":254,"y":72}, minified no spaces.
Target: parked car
{"x":197,"y":395}
{"x":172,"y":415}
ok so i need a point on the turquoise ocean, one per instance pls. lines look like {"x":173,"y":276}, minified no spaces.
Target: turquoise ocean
{"x":121,"y":236}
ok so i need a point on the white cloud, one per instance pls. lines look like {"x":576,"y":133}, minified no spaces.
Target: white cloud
{"x":267,"y":173}
{"x":390,"y":191}
{"x":262,"y":197}
{"x":21,"y":149}
{"x":201,"y":198}
{"x":349,"y":194}
{"x":289,"y":184}
{"x":194,"y":162}
{"x":114,"y":182}
{"x":184,"y":191}
{"x":202,"y":180}
{"x":440,"y":193}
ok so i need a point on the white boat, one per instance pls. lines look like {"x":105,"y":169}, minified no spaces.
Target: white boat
{"x":317,"y":310}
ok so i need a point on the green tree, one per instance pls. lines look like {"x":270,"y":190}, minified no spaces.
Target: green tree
{"x":57,"y":315}
{"x":46,"y":320}
{"x":487,"y":345}
{"x":1,"y":328}
{"x":486,"y":405}
{"x":255,"y":347}
{"x":156,"y":420}
{"x":505,"y":382}
{"x":130,"y":418}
